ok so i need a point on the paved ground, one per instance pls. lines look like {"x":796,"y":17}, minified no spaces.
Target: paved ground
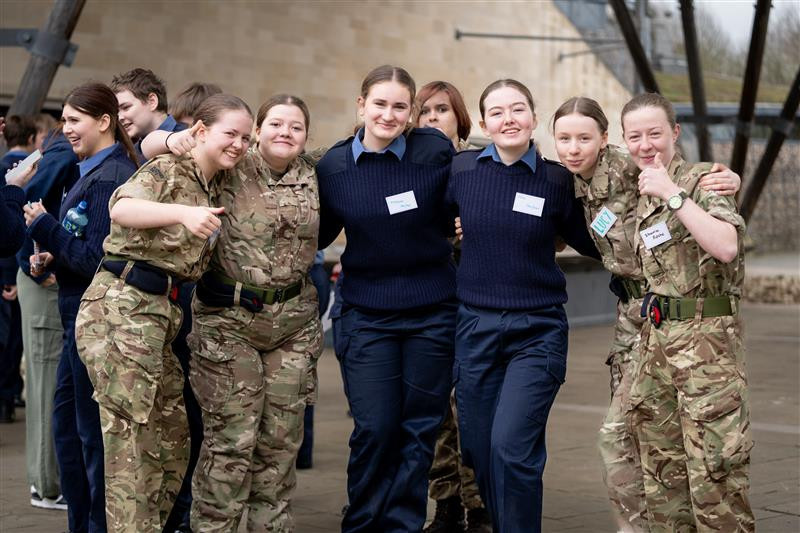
{"x":574,"y":494}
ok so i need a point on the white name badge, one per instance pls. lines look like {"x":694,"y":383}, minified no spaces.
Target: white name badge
{"x":655,"y":235}
{"x":530,"y":205}
{"x":603,"y":221}
{"x":405,"y":201}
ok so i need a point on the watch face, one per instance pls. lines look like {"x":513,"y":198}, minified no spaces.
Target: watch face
{"x":675,"y":202}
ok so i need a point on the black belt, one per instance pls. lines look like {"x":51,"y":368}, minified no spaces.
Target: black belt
{"x":626,"y":289}
{"x":218,"y":290}
{"x":145,"y":277}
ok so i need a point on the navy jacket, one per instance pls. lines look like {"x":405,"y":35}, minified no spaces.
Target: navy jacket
{"x":8,"y":266}
{"x":77,"y":259}
{"x":12,"y":223}
{"x":57,"y":173}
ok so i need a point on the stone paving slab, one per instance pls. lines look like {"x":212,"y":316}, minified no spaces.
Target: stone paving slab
{"x":575,"y":498}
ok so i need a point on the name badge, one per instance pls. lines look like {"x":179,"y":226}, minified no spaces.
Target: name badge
{"x":405,"y":201}
{"x":530,"y":205}
{"x":655,"y":235}
{"x":603,"y":221}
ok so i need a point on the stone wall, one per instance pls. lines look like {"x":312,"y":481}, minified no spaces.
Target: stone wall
{"x":321,"y":50}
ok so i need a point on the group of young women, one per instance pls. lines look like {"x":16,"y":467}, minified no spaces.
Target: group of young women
{"x":246,"y":221}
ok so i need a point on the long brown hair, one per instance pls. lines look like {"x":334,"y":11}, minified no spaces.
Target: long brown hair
{"x":456,"y":101}
{"x":97,"y":99}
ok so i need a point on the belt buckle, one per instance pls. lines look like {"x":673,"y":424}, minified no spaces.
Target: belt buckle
{"x":279,"y":293}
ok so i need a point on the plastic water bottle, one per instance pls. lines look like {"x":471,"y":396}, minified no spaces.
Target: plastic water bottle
{"x":75,"y":220}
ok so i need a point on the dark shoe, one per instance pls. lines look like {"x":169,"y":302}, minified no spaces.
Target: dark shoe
{"x":304,"y":464}
{"x":478,"y":521}
{"x":449,"y":517}
{"x":7,"y":411}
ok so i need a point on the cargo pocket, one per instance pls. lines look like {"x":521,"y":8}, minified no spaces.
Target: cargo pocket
{"x":46,"y":339}
{"x":212,"y":383}
{"x":722,"y":418}
{"x":129,"y":376}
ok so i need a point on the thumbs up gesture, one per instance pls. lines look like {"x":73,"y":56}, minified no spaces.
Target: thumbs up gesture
{"x":655,"y":181}
{"x":183,"y":141}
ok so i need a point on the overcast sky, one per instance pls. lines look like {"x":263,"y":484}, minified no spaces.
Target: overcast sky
{"x":736,"y":16}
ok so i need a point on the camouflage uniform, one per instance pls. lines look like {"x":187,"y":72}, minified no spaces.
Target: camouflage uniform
{"x":450,"y":477}
{"x":689,"y":400}
{"x":123,"y":336}
{"x":614,"y":186}
{"x":254,"y":373}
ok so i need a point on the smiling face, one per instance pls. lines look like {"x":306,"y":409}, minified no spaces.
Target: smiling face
{"x":437,"y":112}
{"x":84,"y":132}
{"x":579,"y":142}
{"x":508,"y":119}
{"x":282,"y":135}
{"x":647,"y":131}
{"x":223,"y":144}
{"x":137,"y":116}
{"x":385,"y":111}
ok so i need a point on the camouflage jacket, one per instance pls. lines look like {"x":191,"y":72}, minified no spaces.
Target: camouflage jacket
{"x":612,"y":191}
{"x":269,"y":237}
{"x":174,"y":249}
{"x":679,"y":267}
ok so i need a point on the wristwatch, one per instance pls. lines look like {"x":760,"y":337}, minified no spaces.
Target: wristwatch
{"x":675,"y":201}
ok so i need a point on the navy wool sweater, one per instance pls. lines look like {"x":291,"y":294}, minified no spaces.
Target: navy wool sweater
{"x":12,"y":222}
{"x":393,"y":262}
{"x":77,"y":259}
{"x":507,"y":256}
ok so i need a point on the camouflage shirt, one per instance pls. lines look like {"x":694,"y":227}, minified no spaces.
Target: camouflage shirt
{"x":612,"y":192}
{"x":270,"y":236}
{"x":679,"y":267}
{"x":174,"y":249}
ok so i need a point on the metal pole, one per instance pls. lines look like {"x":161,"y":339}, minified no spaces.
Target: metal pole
{"x":752,"y":73}
{"x":781,"y":130}
{"x":696,"y":81}
{"x":41,"y":70}
{"x":635,"y":46}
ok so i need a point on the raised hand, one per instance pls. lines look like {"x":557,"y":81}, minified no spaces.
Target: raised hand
{"x":721,"y":180}
{"x":32,"y":211}
{"x":655,"y":181}
{"x":181,"y":142}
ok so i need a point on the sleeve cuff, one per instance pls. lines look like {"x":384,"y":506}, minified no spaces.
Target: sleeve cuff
{"x":12,"y":193}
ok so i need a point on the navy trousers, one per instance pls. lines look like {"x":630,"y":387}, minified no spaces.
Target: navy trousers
{"x":397,"y":374}
{"x":509,"y":367}
{"x":78,"y":437}
{"x":179,"y":516}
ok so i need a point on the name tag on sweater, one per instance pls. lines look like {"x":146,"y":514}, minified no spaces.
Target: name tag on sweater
{"x":530,"y":205}
{"x":655,"y":235}
{"x":603,"y":221}
{"x":405,"y":201}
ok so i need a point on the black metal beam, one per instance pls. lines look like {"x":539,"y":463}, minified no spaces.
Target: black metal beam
{"x":779,"y":134}
{"x":635,"y":46}
{"x":43,"y":64}
{"x":752,"y":74}
{"x":696,"y":81}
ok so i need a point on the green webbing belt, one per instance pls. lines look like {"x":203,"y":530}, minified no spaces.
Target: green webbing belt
{"x":685,"y":308}
{"x":634,"y":287}
{"x":267,"y":296}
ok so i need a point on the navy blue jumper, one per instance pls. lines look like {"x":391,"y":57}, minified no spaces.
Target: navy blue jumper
{"x":397,"y":324}
{"x":511,"y":338}
{"x":76,"y":416}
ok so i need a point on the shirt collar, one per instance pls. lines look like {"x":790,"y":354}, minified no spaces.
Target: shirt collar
{"x":169,"y":124}
{"x":397,"y":146}
{"x":91,"y":163}
{"x":529,"y":157}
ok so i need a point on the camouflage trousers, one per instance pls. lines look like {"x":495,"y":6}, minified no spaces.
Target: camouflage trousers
{"x":622,"y":470}
{"x":253,"y":374}
{"x":448,"y":475}
{"x":123,"y":337}
{"x":690,"y":414}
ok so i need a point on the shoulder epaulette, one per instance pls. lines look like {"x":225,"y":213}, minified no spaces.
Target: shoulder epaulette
{"x":335,"y":160}
{"x":465,"y":160}
{"x":429,"y":146}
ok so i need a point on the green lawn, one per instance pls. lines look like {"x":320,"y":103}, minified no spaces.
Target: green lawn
{"x":676,"y":88}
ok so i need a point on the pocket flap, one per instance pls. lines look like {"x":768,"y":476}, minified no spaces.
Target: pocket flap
{"x":95,"y":291}
{"x":717,"y":403}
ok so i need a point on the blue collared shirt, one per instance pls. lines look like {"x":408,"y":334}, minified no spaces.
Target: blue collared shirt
{"x":91,"y":163}
{"x":168,"y":124}
{"x":397,"y":146}
{"x":529,"y":157}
